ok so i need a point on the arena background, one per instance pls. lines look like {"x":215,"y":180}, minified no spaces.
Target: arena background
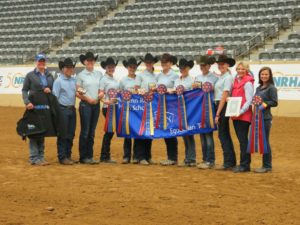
{"x":260,"y":32}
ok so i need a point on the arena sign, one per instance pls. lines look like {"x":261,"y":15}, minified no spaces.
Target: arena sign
{"x":286,"y":77}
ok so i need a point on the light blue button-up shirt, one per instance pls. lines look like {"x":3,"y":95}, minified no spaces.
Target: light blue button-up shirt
{"x":186,"y":82}
{"x":224,"y":83}
{"x":128,"y":83}
{"x":108,"y":82}
{"x":90,"y":81}
{"x":146,"y":78}
{"x":210,"y":77}
{"x":167,"y":79}
{"x":64,"y":88}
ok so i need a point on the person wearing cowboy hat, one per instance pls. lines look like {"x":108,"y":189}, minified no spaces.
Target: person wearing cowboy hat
{"x":40,"y":79}
{"x":89,"y":106}
{"x":207,"y":139}
{"x":108,"y":82}
{"x":64,"y":88}
{"x":147,"y":82}
{"x":130,"y":83}
{"x":187,"y":82}
{"x":167,"y":77}
{"x":147,"y":78}
{"x":222,"y":89}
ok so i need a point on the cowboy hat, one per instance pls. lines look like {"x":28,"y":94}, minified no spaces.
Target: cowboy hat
{"x":131,"y":61}
{"x":108,"y":61}
{"x":206,"y":59}
{"x":166,"y":57}
{"x":150,"y":58}
{"x":225,"y":59}
{"x":66,"y":63}
{"x":185,"y":63}
{"x":88,"y":55}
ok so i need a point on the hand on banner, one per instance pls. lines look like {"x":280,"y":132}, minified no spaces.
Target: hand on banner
{"x":171,"y":90}
{"x":47,"y":90}
{"x":29,"y":106}
{"x":196,"y":84}
{"x":113,"y":101}
{"x":91,"y":101}
{"x":101,"y":95}
{"x":217,"y":119}
{"x":141,"y":91}
{"x":261,"y":107}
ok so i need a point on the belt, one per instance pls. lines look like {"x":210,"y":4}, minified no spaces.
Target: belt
{"x":67,"y":106}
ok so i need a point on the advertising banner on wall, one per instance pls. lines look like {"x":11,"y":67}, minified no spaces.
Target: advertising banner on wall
{"x":286,"y":77}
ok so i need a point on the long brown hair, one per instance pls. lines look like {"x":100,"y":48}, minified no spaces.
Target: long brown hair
{"x":270,"y":81}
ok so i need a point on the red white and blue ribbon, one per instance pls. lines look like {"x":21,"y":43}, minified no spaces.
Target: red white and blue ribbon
{"x":183,"y":125}
{"x":123,"y":125}
{"x":257,"y":138}
{"x":207,"y":120}
{"x":110,"y":120}
{"x":161,"y":116}
{"x":147,"y":124}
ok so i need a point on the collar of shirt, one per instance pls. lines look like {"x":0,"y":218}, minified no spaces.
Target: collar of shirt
{"x":166,"y":74}
{"x":222,"y":76}
{"x":66,"y":77}
{"x":131,"y":78}
{"x":184,"y":78}
{"x":148,"y":72}
{"x":108,"y":76}
{"x":208,"y":74}
{"x":88,"y":72}
{"x":39,"y":73}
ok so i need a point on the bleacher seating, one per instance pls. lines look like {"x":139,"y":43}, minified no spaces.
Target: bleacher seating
{"x":284,"y":49}
{"x":30,"y":26}
{"x":182,"y":27}
{"x":186,"y":27}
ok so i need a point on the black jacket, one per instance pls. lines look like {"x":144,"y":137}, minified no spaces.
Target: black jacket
{"x":32,"y":83}
{"x":46,"y":117}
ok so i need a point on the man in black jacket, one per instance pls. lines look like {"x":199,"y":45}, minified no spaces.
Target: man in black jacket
{"x":38,"y":80}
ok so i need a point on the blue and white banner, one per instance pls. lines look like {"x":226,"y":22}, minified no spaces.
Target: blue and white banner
{"x":142,"y":116}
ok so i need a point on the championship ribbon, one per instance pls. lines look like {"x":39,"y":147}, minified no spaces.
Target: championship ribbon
{"x":161,"y":116}
{"x":183,"y":125}
{"x":257,"y":138}
{"x":147,"y":123}
{"x":123,"y":125}
{"x":207,"y":120}
{"x":110,"y":120}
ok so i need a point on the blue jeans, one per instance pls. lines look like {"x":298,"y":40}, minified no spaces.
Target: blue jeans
{"x":105,"y":148}
{"x":225,"y":139}
{"x":36,"y":149}
{"x":267,"y":158}
{"x":143,"y":149}
{"x":172,"y":148}
{"x":89,"y":115}
{"x":190,"y":151}
{"x":127,"y":146}
{"x":65,"y":144}
{"x":242,"y":130}
{"x":208,"y":147}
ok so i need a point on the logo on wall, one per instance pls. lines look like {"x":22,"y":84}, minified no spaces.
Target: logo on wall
{"x":287,"y":82}
{"x":12,"y":80}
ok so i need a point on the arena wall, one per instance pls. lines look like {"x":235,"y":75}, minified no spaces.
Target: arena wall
{"x":286,"y":75}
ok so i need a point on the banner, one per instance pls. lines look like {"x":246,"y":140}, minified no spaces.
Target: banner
{"x":286,"y":77}
{"x":143,"y":111}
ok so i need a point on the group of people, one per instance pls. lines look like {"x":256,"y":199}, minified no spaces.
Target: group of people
{"x":91,"y":87}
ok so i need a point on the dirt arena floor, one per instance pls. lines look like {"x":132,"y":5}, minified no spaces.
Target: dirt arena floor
{"x":134,"y":194}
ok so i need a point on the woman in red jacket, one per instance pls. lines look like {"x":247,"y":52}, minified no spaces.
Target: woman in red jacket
{"x":243,"y":87}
